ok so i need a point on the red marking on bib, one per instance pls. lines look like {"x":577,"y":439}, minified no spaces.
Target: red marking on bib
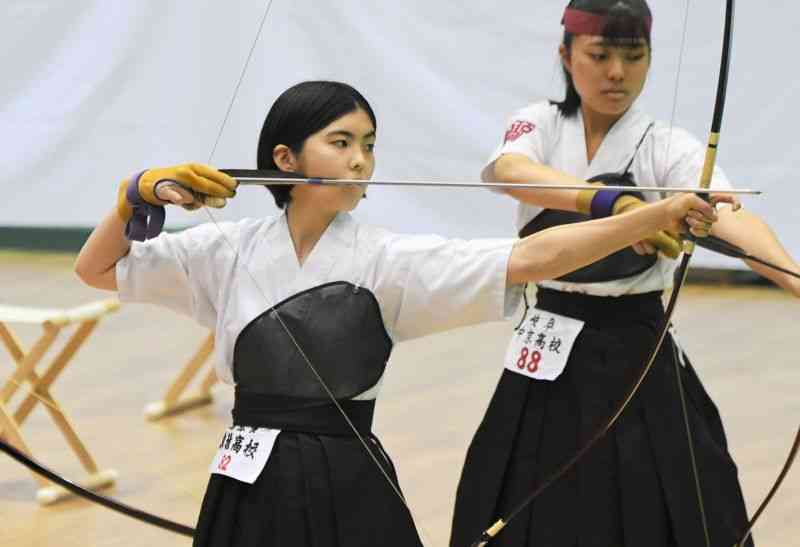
{"x":224,"y":462}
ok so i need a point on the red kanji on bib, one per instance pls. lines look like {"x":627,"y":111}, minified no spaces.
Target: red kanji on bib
{"x":517,"y":129}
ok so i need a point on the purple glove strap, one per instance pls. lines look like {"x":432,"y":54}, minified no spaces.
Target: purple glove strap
{"x":147,"y":220}
{"x":603,"y":202}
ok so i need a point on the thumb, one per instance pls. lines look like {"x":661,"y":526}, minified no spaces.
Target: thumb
{"x":170,"y":195}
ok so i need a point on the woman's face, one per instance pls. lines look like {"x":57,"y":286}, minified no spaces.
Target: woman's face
{"x":608,"y":77}
{"x":341,"y":150}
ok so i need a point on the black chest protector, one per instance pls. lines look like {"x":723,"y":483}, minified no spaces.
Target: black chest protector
{"x":337,"y":325}
{"x":619,"y":265}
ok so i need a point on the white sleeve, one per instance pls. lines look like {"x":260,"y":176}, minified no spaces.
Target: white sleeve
{"x":684,"y":165}
{"x":428,"y":284}
{"x":180,"y":271}
{"x":526,"y":134}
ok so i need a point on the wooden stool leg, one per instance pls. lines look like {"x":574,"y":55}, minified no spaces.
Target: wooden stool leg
{"x":42,"y":385}
{"x":10,"y":431}
{"x":209,"y":381}
{"x":11,"y":342}
{"x":172,"y":403}
{"x":26,"y":364}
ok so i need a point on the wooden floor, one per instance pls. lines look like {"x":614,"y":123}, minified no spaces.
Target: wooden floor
{"x":741,"y":339}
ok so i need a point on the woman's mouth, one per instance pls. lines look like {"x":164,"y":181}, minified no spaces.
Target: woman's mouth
{"x":616,"y":94}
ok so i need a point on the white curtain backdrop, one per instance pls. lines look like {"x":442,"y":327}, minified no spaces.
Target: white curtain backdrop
{"x":94,"y":91}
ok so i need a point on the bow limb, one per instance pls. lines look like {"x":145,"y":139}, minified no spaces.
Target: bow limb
{"x":705,"y":182}
{"x":689,"y":246}
{"x":723,"y":247}
{"x":774,"y":489}
{"x":105,"y":501}
{"x":680,"y":276}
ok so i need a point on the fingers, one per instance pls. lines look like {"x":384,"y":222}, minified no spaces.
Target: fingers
{"x":216,"y":203}
{"x":702,"y":215}
{"x":207,"y":180}
{"x":207,"y":201}
{"x":698,"y":224}
{"x":698,"y":217}
{"x":717,"y":199}
{"x":213,"y":174}
{"x":644,"y":248}
{"x":172,"y":192}
{"x":698,"y":227}
{"x":696,"y":203}
{"x":190,"y":185}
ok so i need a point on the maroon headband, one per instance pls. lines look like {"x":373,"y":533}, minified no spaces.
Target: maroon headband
{"x":577,"y":21}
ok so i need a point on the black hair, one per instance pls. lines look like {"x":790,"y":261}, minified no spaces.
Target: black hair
{"x":298,"y":113}
{"x":627,"y":24}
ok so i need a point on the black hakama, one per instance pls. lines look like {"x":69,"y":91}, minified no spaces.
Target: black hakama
{"x":320,"y":487}
{"x":635,"y":487}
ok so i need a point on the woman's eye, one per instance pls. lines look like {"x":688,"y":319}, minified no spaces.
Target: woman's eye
{"x":636,"y":57}
{"x":598,"y":56}
{"x":341,"y":143}
{"x":371,"y":147}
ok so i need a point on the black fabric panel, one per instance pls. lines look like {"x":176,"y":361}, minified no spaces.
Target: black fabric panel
{"x":635,"y":487}
{"x":338,"y":327}
{"x":320,"y":486}
{"x":620,"y":265}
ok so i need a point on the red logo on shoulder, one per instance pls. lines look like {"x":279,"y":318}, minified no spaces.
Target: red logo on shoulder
{"x":517,"y":129}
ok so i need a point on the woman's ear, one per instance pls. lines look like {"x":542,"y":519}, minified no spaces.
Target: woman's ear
{"x":284,"y":158}
{"x":563,"y":52}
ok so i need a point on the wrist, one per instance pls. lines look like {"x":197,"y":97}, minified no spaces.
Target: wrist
{"x":583,"y":201}
{"x":143,"y":219}
{"x":606,"y":203}
{"x":664,"y":215}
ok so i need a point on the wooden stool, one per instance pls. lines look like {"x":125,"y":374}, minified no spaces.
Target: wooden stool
{"x":173,"y":403}
{"x":52,"y":321}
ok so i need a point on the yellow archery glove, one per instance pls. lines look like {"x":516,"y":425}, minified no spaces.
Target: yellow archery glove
{"x":140,"y":207}
{"x":668,"y":243}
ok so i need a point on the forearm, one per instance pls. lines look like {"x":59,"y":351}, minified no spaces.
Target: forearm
{"x":515,"y":168}
{"x":96,"y":263}
{"x":557,"y":251}
{"x":752,"y":234}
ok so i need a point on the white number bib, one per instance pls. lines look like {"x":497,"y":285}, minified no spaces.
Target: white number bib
{"x":244,"y":452}
{"x":541,"y":345}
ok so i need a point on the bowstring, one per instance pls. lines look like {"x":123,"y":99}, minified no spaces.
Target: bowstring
{"x":55,"y":407}
{"x":682,"y":398}
{"x":500,"y":524}
{"x":274,"y":311}
{"x":692,"y":458}
{"x":676,"y":92}
{"x":228,"y":111}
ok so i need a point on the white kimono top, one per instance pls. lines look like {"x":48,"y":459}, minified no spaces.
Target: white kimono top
{"x":423,"y":283}
{"x":667,"y":157}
